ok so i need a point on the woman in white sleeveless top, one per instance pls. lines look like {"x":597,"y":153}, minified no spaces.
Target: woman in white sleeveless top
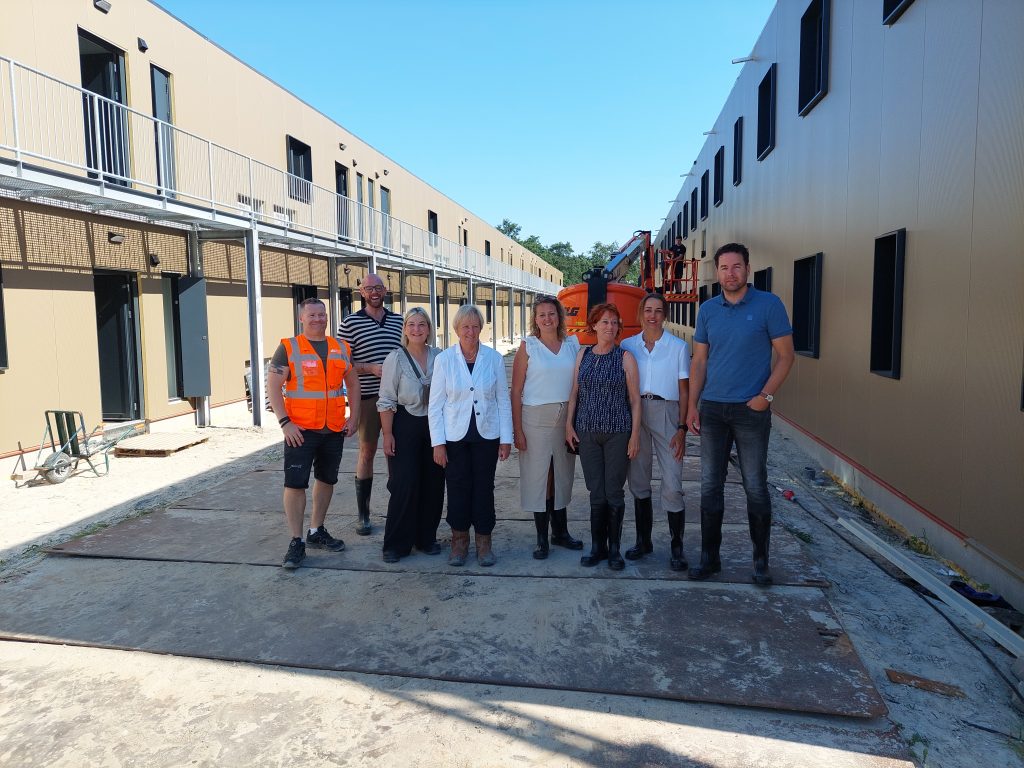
{"x":541,"y":382}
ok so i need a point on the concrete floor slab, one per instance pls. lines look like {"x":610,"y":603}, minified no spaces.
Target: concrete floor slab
{"x":781,"y":648}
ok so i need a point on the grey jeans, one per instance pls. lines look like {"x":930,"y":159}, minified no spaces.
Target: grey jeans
{"x":604,"y":460}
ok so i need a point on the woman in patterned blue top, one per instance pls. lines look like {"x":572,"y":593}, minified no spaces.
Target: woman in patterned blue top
{"x":604,"y":423}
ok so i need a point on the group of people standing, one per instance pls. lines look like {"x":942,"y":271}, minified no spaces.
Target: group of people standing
{"x":449,"y":416}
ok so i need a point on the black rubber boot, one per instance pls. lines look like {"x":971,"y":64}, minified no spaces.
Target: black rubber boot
{"x":560,"y":529}
{"x":760,"y":534}
{"x":598,"y":536}
{"x":615,"y":516}
{"x":363,"y":489}
{"x":676,"y":524}
{"x":540,"y":519}
{"x":644,"y":514}
{"x":710,"y":545}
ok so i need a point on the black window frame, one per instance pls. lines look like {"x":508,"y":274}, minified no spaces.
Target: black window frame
{"x":719,"y":188}
{"x":766,"y":109}
{"x":432,"y":226}
{"x":737,"y":151}
{"x":815,"y":33}
{"x":173,"y":334}
{"x":705,"y":182}
{"x":4,"y":359}
{"x":679,"y":226}
{"x":887,"y":286}
{"x":693,"y":209}
{"x":806,"y":309}
{"x":893,"y":9}
{"x":763,"y":279}
{"x":686,"y":219}
{"x":487,"y":248}
{"x":300,"y":169}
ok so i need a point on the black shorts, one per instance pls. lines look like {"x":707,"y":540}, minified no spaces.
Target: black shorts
{"x":320,"y":451}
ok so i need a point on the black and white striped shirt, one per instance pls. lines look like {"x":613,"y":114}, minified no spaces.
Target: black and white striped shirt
{"x":371,"y":342}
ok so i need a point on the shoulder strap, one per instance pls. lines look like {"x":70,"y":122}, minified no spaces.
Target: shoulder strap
{"x":412,"y":362}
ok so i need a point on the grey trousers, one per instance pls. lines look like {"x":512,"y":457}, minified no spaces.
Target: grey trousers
{"x":657,"y":427}
{"x":604,"y":461}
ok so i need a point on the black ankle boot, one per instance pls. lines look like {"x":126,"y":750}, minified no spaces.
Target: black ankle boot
{"x":598,"y":536}
{"x":710,"y":544}
{"x":615,"y":516}
{"x":760,"y":535}
{"x":644,"y":513}
{"x":540,"y":519}
{"x":676,"y":525}
{"x":363,"y":490}
{"x":560,"y":530}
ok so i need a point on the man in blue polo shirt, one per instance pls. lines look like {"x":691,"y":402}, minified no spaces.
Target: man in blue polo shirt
{"x":732,"y":384}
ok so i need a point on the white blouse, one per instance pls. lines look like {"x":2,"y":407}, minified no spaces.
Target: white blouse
{"x":400,"y":385}
{"x":549,"y":376}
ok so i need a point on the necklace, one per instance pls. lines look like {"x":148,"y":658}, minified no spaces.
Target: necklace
{"x":471,"y":359}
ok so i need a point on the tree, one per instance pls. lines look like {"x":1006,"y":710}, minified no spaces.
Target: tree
{"x":510,"y":228}
{"x":561,"y":256}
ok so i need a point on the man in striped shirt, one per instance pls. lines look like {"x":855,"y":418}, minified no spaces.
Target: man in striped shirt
{"x":372,"y":333}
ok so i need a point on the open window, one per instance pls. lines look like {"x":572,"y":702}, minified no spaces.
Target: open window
{"x":887,"y":304}
{"x":807,"y":305}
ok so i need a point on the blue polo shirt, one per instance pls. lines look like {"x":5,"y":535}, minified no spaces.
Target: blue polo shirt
{"x":739,"y":338}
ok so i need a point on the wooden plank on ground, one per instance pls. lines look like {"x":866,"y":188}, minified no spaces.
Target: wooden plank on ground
{"x":159,"y":444}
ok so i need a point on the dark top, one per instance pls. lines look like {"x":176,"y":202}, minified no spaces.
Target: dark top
{"x":371,"y":342}
{"x":602,"y":400}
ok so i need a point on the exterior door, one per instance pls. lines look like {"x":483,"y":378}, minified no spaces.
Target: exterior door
{"x":106,"y":124}
{"x":118,"y":346}
{"x":161,"y":83}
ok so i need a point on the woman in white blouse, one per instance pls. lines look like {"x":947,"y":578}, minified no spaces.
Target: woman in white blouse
{"x":470,"y":429}
{"x":541,"y":383}
{"x":416,"y":482}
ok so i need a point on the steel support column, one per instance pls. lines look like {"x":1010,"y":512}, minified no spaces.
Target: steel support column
{"x":195,"y":269}
{"x":511,"y":316}
{"x":333,"y":308}
{"x":494,"y":315}
{"x":254,"y":297}
{"x":445,"y":299}
{"x":432,"y":294}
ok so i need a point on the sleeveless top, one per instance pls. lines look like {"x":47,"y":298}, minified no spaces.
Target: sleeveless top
{"x":602,"y":401}
{"x":549,"y":376}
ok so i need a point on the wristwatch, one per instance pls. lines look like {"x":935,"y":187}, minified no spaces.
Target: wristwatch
{"x":682,"y":427}
{"x":767,"y":397}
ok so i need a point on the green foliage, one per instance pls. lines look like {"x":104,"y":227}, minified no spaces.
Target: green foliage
{"x":560,"y":255}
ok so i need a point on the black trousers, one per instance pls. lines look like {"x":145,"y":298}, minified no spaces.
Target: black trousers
{"x":470,"y":480}
{"x":416,"y":485}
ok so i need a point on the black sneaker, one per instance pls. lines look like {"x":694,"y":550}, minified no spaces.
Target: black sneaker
{"x":296,"y":554}
{"x":321,"y":539}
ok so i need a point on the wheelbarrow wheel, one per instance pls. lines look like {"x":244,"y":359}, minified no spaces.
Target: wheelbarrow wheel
{"x":58,"y":468}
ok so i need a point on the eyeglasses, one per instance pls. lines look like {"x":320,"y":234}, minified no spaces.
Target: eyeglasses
{"x":375,"y":288}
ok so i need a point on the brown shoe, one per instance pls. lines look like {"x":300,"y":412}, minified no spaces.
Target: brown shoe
{"x":460,"y":548}
{"x":484,"y":555}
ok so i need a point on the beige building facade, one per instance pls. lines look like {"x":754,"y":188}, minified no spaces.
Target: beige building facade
{"x":147,"y":177}
{"x":871,"y":156}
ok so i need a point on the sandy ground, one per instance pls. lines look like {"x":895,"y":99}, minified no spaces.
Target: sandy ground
{"x":78,"y":706}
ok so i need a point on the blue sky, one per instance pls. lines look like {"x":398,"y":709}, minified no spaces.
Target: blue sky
{"x":573,"y":118}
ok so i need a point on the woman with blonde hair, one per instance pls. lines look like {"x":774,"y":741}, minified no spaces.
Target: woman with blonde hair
{"x":541,"y":383}
{"x":415,"y":482}
{"x":470,"y":430}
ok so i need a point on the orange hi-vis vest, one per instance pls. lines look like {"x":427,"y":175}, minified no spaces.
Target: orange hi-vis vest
{"x":313,"y":397}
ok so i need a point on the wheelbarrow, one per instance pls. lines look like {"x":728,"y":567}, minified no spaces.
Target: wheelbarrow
{"x":68,"y":443}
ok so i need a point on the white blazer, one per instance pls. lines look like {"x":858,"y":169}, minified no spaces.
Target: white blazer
{"x":454,"y":393}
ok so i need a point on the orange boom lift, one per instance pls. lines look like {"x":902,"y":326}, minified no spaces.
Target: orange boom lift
{"x":678,"y":284}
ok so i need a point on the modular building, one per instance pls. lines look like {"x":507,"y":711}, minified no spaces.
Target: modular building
{"x":871,"y":156}
{"x":164,"y":207}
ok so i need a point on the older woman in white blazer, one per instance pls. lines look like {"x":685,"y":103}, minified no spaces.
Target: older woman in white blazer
{"x":470,"y":418}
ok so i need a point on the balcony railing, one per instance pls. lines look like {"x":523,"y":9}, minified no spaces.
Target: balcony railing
{"x":54,"y":125}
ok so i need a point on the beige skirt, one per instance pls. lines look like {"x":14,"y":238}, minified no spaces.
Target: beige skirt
{"x":544,"y":430}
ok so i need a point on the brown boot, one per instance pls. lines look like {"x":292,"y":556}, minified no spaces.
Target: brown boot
{"x":460,"y":548}
{"x":484,"y":555}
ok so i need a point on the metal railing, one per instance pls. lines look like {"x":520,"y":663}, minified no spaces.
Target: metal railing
{"x":54,"y":125}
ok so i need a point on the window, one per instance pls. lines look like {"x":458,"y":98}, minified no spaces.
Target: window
{"x":693,"y":209}
{"x":370,"y":192}
{"x":716,"y":289}
{"x":685,"y":218}
{"x":432,"y":226}
{"x":465,"y":239}
{"x":693,"y":314}
{"x":489,"y":308}
{"x":719,"y":176}
{"x":300,"y":170}
{"x":766,"y":114}
{"x":887,"y":304}
{"x":704,"y":195}
{"x":737,"y":151}
{"x":341,"y":179}
{"x":487,"y":248}
{"x":172,"y":336}
{"x":679,"y":224}
{"x":814,"y":38}
{"x":763,"y":279}
{"x":893,"y":9}
{"x":702,"y":294}
{"x":3,"y":326}
{"x":807,"y":304}
{"x":359,"y":188}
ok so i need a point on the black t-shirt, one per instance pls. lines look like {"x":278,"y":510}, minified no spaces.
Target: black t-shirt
{"x":678,"y":251}
{"x":280,"y":360}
